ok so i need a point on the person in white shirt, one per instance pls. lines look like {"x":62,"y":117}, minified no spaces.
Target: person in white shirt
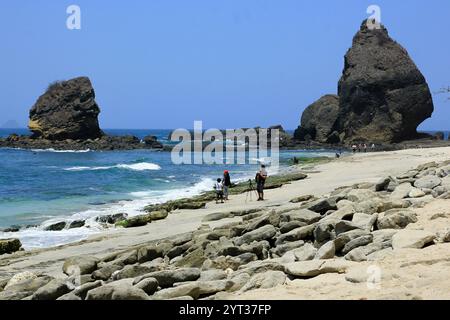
{"x":219,"y":190}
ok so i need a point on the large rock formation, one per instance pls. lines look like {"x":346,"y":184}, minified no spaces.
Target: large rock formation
{"x":65,"y":117}
{"x":67,"y":110}
{"x":383,"y":96}
{"x":318,"y":119}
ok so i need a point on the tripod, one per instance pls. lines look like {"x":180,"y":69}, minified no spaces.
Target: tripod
{"x":250,"y":191}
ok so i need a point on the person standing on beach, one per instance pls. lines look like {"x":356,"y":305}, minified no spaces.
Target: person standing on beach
{"x":226,"y":183}
{"x":373,"y":147}
{"x":219,"y":190}
{"x":354,"y":148}
{"x":260,"y":178}
{"x":365,"y":147}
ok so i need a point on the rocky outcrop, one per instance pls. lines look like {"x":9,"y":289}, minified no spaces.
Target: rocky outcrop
{"x":383,"y":97}
{"x":318,"y":120}
{"x":67,"y":110}
{"x":65,"y":117}
{"x":382,"y":94}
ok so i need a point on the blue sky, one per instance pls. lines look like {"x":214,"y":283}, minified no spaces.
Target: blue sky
{"x":230,"y":63}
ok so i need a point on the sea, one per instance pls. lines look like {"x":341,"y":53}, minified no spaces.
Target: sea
{"x":40,"y":187}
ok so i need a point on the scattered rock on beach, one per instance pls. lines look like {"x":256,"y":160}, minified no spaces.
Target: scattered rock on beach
{"x":9,"y":246}
{"x":58,"y":226}
{"x":80,"y":265}
{"x":416,"y":239}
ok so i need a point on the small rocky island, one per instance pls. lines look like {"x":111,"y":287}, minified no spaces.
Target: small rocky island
{"x":65,"y":117}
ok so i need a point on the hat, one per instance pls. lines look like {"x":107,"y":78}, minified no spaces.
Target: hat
{"x":226,"y":171}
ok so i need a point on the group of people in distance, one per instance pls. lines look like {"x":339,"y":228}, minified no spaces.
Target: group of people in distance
{"x":362,"y":147}
{"x":222,"y":185}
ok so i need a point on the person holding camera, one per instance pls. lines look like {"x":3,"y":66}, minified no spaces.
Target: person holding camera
{"x":260,"y":179}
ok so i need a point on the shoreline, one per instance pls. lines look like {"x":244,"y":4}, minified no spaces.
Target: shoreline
{"x":359,"y":168}
{"x":357,"y":172}
{"x":195,"y":201}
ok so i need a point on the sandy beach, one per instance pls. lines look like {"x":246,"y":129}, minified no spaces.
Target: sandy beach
{"x":406,"y":273}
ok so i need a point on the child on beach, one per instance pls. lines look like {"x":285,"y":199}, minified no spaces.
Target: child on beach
{"x":219,"y":190}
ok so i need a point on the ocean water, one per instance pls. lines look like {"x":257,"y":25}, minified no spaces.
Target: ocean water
{"x":39,"y":187}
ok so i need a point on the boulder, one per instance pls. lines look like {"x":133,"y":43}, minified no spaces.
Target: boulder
{"x":344,"y":238}
{"x":263,"y":233}
{"x":323,"y":205}
{"x":148,"y":285}
{"x":401,"y":191}
{"x":323,"y":231}
{"x":80,"y":265}
{"x":112,"y":218}
{"x":396,"y":219}
{"x":302,"y":198}
{"x":23,"y":285}
{"x":416,"y":239}
{"x":281,"y":249}
{"x":82,"y":290}
{"x":259,"y":266}
{"x":158,"y":215}
{"x":131,"y":271}
{"x":305,"y":253}
{"x":119,"y":290}
{"x":67,"y":110}
{"x":58,"y":226}
{"x":193,"y":259}
{"x":9,"y":245}
{"x":303,"y":215}
{"x":51,"y":291}
{"x":318,"y":119}
{"x":308,"y":269}
{"x":167,"y":278}
{"x":213,"y":274}
{"x":416,"y":193}
{"x":265,"y":280}
{"x":382,"y":184}
{"x":344,"y":226}
{"x":149,"y":253}
{"x":383,"y":96}
{"x":296,"y":234}
{"x":428,"y":182}
{"x":358,"y":242}
{"x":285,"y":227}
{"x":327,"y":251}
{"x":77,"y":224}
{"x":189,"y":289}
{"x":229,"y":262}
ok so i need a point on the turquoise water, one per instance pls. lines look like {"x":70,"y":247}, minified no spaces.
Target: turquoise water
{"x":38,"y":187}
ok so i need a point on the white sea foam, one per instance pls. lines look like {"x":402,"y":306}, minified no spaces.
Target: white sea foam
{"x":61,"y":151}
{"x":136,"y":167}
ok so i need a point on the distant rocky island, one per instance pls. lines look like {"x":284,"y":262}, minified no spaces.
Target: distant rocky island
{"x":65,"y":117}
{"x":382,"y":98}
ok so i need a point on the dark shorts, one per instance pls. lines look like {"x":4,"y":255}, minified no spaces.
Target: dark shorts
{"x":260,"y":187}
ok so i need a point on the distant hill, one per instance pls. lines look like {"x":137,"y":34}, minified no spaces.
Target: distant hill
{"x":10,"y":124}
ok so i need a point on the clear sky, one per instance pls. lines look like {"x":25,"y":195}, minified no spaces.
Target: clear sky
{"x":230,"y":63}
